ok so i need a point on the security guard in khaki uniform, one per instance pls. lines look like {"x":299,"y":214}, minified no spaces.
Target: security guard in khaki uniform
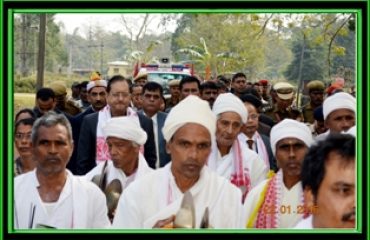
{"x":316,"y":93}
{"x":63,"y":104}
{"x":283,"y":107}
{"x":175,"y":94}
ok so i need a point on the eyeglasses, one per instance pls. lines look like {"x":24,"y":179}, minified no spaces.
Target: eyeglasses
{"x":123,"y":94}
{"x":253,"y":116}
{"x":20,"y":136}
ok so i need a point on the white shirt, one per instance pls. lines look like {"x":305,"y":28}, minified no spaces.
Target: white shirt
{"x":116,"y":173}
{"x":81,"y":204}
{"x":305,"y":223}
{"x":156,"y":197}
{"x":252,"y":163}
{"x":291,"y":198}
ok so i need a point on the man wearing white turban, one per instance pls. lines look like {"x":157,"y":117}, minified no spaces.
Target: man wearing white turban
{"x":230,"y":157}
{"x":153,"y":201}
{"x":339,"y":114}
{"x":124,"y":136}
{"x":278,"y":201}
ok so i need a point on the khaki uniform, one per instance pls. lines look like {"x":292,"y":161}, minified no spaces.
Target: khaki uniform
{"x":307,"y":112}
{"x":71,"y":108}
{"x":278,"y":115}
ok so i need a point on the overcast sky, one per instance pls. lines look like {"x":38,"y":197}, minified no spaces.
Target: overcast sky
{"x":112,"y":22}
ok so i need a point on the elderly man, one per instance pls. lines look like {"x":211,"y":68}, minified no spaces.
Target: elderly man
{"x":278,"y":201}
{"x":339,"y":113}
{"x":92,"y":147}
{"x":50,"y":195}
{"x":230,"y":157}
{"x":124,"y":136}
{"x":329,"y":183}
{"x":188,"y":131}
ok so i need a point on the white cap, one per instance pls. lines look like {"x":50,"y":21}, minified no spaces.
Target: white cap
{"x":192,"y":109}
{"x":340,"y":100}
{"x":284,"y":90}
{"x":289,"y":128}
{"x":127,"y":128}
{"x":228,"y":102}
{"x":96,"y":83}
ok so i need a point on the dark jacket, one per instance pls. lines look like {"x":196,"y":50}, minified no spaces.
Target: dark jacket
{"x":86,"y":152}
{"x":266,"y":141}
{"x":164,"y":157}
{"x":76,"y":122}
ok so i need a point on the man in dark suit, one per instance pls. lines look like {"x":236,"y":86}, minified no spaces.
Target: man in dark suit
{"x":256,"y":141}
{"x":91,"y":146}
{"x":152,"y":94}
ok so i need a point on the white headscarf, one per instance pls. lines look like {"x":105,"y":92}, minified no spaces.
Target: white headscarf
{"x":126,"y":128}
{"x":228,"y":102}
{"x":192,"y":109}
{"x":338,"y":101}
{"x":96,"y":83}
{"x":289,"y":128}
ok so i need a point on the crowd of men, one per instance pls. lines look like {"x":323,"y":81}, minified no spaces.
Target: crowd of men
{"x":117,"y":154}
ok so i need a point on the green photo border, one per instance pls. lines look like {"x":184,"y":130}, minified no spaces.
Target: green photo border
{"x":359,"y":96}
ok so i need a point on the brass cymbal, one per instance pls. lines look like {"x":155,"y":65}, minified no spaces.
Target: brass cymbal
{"x":113,"y":193}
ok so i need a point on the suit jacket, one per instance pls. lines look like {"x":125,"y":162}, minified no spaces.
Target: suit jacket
{"x":86,"y":152}
{"x":264,"y":129}
{"x":164,"y":157}
{"x":266,"y":141}
{"x":76,"y":122}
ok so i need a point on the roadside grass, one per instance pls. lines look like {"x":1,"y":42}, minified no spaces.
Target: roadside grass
{"x":23,"y":100}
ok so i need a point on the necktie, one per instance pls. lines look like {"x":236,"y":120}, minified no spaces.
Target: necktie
{"x":250,"y":143}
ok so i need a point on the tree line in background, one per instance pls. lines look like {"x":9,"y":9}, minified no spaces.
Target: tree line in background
{"x":275,"y":46}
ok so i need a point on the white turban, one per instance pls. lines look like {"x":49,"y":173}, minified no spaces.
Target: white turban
{"x":289,"y":128}
{"x":228,"y":102}
{"x":96,"y":83}
{"x":192,"y":109}
{"x":338,"y":101}
{"x":127,"y":128}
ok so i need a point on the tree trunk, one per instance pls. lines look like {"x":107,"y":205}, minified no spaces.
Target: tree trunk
{"x":41,"y":53}
{"x":300,"y":69}
{"x":23,"y":52}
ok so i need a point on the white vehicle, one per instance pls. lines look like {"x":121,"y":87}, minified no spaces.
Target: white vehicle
{"x":165,"y":72}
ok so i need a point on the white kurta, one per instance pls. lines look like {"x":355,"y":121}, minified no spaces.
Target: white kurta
{"x":252,"y":163}
{"x":291,"y":198}
{"x":115,"y":173}
{"x":305,"y":223}
{"x":80,"y":205}
{"x":157,"y":197}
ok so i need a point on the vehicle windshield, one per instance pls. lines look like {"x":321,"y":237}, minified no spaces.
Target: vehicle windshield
{"x":164,"y":79}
